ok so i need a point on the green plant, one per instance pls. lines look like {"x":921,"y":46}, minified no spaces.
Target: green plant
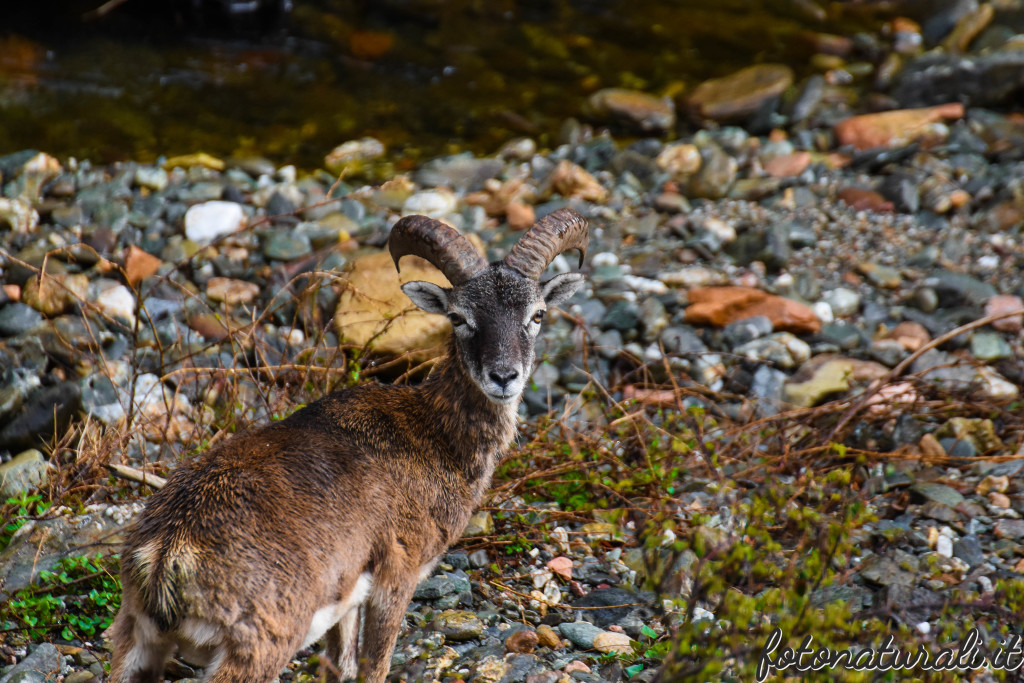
{"x":77,"y":599}
{"x":19,"y":510}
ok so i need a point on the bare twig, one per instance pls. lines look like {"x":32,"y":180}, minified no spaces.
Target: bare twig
{"x":133,"y":474}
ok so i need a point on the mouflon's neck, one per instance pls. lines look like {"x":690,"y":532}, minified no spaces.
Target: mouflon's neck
{"x":476,"y":427}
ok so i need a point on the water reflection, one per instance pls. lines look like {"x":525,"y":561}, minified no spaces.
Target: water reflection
{"x":423,"y":76}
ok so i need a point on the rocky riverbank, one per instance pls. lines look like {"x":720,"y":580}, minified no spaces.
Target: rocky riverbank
{"x":826,"y":299}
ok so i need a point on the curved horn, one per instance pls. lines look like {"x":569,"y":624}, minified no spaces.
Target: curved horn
{"x":440,"y":244}
{"x":557,"y":232}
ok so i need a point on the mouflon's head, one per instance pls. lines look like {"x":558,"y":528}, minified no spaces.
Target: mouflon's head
{"x":495,"y":309}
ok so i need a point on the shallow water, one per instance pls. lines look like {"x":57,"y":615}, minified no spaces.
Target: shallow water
{"x":426,"y":76}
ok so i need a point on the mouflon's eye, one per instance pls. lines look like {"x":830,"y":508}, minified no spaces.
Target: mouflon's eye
{"x":456,"y":319}
{"x":538,"y":317}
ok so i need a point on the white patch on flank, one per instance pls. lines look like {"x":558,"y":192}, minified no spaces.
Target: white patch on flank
{"x":198,"y":640}
{"x":218,"y":658}
{"x":329,"y":615}
{"x":200,"y":631}
{"x":151,"y":647}
{"x":428,"y":569}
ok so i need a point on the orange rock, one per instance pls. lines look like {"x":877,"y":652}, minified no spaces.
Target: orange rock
{"x":720,"y":306}
{"x":548,"y":638}
{"x":652,"y":397}
{"x":865,"y":200}
{"x":910,"y":335}
{"x":209,"y":326}
{"x":577,"y":665}
{"x":999,"y":500}
{"x":828,"y":43}
{"x":54,"y":294}
{"x":788,"y":164}
{"x":884,"y":401}
{"x":640,"y":110}
{"x":958,"y":198}
{"x":931,"y":447}
{"x":835,"y":160}
{"x":1004,"y":216}
{"x":893,"y":128}
{"x":522,"y":642}
{"x":138,"y":265}
{"x":370,"y":44}
{"x":561,"y":566}
{"x":740,"y":94}
{"x":904,"y":25}
{"x":1003,"y":304}
{"x":570,"y":180}
{"x":231,"y":291}
{"x":520,"y":216}
{"x":13,"y":292}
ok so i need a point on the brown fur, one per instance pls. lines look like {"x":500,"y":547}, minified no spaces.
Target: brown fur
{"x":277,"y":536}
{"x":257,"y":534}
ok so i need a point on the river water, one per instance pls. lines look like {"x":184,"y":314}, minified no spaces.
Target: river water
{"x":426,"y":77}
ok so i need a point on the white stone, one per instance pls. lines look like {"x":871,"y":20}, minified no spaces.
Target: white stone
{"x":644,"y":285}
{"x":699,"y":614}
{"x":292,"y":336}
{"x":24,"y":471}
{"x":560,"y":536}
{"x":152,"y":178}
{"x":783,"y":348}
{"x":784,"y":281}
{"x":114,"y":299}
{"x":944,"y":546}
{"x":611,"y":642}
{"x":108,"y":414}
{"x":720,"y":229}
{"x":989,"y":262}
{"x":823,"y":311}
{"x":287,"y":174}
{"x":541,"y":577}
{"x":843,"y":301}
{"x":652,"y":353}
{"x":210,"y":220}
{"x":996,"y":386}
{"x":695,"y":276}
{"x":560,"y":265}
{"x":797,"y":347}
{"x":604,"y":258}
{"x":433,"y":203}
{"x":153,"y":394}
{"x":355,"y":150}
{"x":18,"y":214}
{"x":289,"y":191}
{"x":924,"y":628}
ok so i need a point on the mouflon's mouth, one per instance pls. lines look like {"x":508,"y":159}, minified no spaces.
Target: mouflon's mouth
{"x":502,"y":398}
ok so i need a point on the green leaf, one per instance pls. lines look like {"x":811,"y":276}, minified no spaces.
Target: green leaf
{"x":648,"y":631}
{"x":633,"y":670}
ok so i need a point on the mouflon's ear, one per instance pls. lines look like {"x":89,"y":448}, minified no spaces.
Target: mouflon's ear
{"x":427,"y":296}
{"x":561,"y":287}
